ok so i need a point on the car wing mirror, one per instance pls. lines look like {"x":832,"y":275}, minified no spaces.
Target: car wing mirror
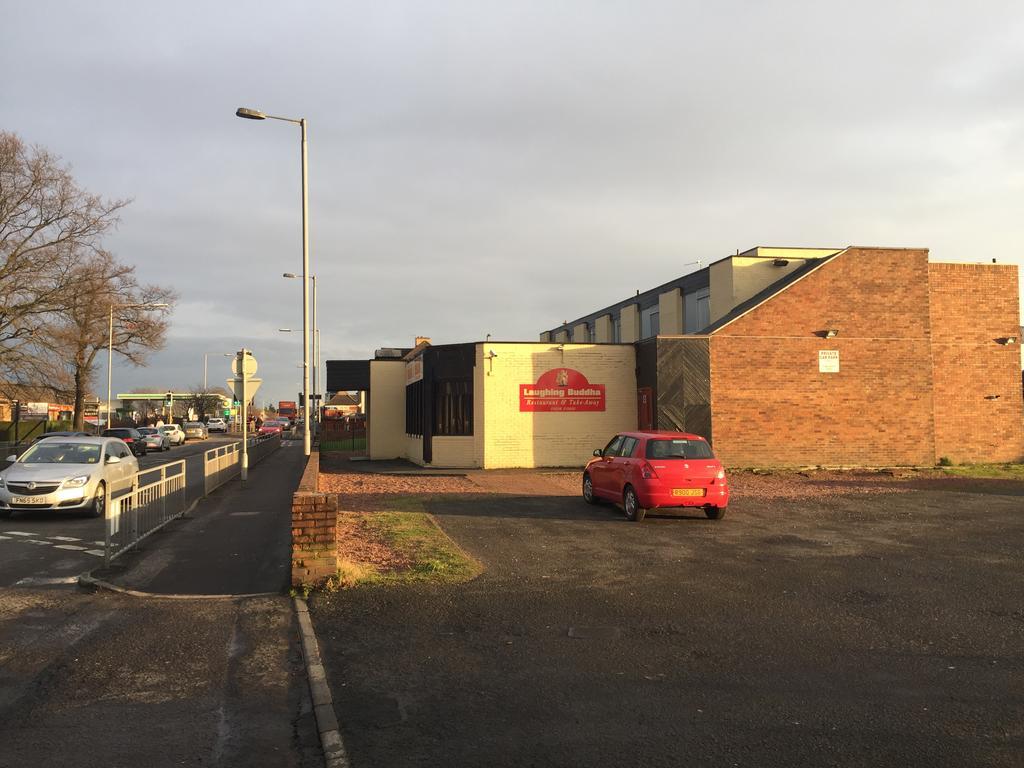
{"x":598,"y":452}
{"x":113,"y":459}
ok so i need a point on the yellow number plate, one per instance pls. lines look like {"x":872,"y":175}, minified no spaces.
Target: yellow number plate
{"x":687,"y":491}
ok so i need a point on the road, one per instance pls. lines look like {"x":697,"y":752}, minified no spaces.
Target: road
{"x":44,"y":548}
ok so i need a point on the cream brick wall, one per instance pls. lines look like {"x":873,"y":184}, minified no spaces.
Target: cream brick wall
{"x":454,"y":451}
{"x":670,"y":312}
{"x":738,"y":278}
{"x":386,"y":422}
{"x":561,"y":337}
{"x":602,"y":329}
{"x":579,"y":333}
{"x":629,"y":324}
{"x":511,"y":438}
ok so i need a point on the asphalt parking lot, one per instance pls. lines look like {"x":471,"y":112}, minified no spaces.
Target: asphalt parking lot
{"x":848,"y":630}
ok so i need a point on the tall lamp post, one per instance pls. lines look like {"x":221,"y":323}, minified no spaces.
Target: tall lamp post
{"x":315,"y":341}
{"x":110,"y":343}
{"x":255,"y":114}
{"x":206,"y":356}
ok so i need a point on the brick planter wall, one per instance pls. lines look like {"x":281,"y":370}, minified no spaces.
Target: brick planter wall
{"x":314,"y":528}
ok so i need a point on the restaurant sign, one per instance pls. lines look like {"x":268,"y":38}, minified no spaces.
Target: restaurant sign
{"x":561,"y":389}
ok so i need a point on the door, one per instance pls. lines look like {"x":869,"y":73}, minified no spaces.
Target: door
{"x":644,"y":408}
{"x":621,"y":469}
{"x":601,"y":471}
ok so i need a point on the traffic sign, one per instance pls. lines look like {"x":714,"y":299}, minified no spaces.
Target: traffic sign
{"x":251,"y":385}
{"x":248,"y":366}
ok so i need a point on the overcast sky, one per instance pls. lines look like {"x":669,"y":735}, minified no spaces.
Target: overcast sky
{"x":481,"y":167}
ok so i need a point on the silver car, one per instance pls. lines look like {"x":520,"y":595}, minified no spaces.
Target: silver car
{"x":71,"y":473}
{"x":154,"y":439}
{"x":196,"y":429}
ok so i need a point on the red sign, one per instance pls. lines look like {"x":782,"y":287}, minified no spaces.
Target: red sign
{"x":561,"y":389}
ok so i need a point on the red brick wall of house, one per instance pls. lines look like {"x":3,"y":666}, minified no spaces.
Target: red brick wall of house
{"x":772,"y":407}
{"x":972,"y":305}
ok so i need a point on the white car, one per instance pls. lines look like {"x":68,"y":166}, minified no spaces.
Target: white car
{"x":217,"y":424}
{"x":67,"y":473}
{"x":174,"y":433}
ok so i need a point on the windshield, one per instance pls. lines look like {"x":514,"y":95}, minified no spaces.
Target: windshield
{"x":147,"y":431}
{"x":679,"y":448}
{"x":193,"y":425}
{"x":52,"y":452}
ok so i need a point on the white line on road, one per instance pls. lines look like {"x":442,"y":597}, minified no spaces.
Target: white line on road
{"x":63,"y":538}
{"x":37,"y":541}
{"x":69,"y":546}
{"x":18,"y":533}
{"x":97,"y":552}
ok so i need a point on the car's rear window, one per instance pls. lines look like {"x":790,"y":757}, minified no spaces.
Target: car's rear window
{"x":678,"y":448}
{"x":118,"y":433}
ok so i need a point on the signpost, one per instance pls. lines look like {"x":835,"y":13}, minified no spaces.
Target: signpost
{"x":244,"y":386}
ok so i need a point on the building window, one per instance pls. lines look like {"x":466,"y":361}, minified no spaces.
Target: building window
{"x":650,"y":322}
{"x":453,"y":407}
{"x":414,"y":409}
{"x":617,"y":327}
{"x":698,"y":310}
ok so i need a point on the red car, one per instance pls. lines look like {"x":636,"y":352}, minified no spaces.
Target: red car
{"x":270,"y":427}
{"x":654,"y":470}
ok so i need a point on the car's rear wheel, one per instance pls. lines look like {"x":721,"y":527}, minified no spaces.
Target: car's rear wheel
{"x":99,"y":502}
{"x":715,"y":513}
{"x":588,"y":490}
{"x":631,"y":505}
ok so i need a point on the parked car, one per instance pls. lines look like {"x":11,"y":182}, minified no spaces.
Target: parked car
{"x":196,"y":429}
{"x":216,"y":424}
{"x":66,"y":474}
{"x":130,"y":436}
{"x":154,"y":439}
{"x":174,"y":434}
{"x":657,"y":470}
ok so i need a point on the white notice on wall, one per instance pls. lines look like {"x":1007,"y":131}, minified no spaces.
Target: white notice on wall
{"x":828,"y":361}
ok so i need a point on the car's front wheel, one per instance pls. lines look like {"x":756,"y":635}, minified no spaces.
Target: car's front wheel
{"x":631,"y":505}
{"x":99,"y":502}
{"x":588,"y":490}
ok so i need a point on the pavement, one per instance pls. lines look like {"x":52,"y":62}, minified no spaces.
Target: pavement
{"x":174,"y":677}
{"x":845,"y":631}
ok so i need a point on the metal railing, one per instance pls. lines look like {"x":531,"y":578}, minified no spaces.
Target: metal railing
{"x":146,"y":508}
{"x":225,"y":462}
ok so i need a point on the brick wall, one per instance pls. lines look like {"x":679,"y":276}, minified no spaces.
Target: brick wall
{"x":772,"y":407}
{"x":314,"y":529}
{"x":973,"y":305}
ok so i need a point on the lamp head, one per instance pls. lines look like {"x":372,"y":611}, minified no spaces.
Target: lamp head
{"x":250,"y":114}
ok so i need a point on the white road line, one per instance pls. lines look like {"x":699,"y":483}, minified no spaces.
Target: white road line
{"x":5,"y":537}
{"x":242,"y":514}
{"x":42,"y":581}
{"x":97,"y":552}
{"x":37,"y":541}
{"x":69,"y":546}
{"x":99,"y":543}
{"x":63,"y":538}
{"x":18,"y":533}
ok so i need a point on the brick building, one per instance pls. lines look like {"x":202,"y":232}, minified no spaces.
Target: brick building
{"x":858,"y":356}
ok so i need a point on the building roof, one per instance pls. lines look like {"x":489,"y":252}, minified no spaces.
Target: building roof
{"x":341,"y":399}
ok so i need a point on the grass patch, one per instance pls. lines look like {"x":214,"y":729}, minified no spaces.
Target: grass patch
{"x":418,"y":551}
{"x":996,"y":471}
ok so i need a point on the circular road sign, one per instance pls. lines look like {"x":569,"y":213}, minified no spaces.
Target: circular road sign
{"x":248,"y":367}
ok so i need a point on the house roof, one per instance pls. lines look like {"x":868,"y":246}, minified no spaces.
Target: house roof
{"x":341,"y":399}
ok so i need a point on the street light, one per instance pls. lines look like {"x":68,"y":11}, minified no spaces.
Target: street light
{"x":110,"y":343}
{"x":206,"y":356}
{"x":316,"y":345}
{"x":255,"y":114}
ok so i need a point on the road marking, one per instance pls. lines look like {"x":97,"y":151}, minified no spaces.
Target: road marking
{"x":63,"y":538}
{"x":5,"y":537}
{"x":69,"y":546}
{"x":242,"y":514}
{"x":18,"y":533}
{"x":37,"y":541}
{"x":99,"y":543}
{"x":40,"y":581}
{"x":97,"y":552}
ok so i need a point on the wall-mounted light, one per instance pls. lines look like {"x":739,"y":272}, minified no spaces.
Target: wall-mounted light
{"x":1006,"y":340}
{"x":827,"y":333}
{"x":489,"y":357}
{"x":780,"y":263}
{"x":992,"y":397}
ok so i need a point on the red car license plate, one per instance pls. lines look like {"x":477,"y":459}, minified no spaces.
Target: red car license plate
{"x":688,"y":491}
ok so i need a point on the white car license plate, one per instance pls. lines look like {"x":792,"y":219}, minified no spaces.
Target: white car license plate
{"x":42,"y":501}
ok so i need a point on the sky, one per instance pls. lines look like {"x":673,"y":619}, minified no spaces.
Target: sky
{"x":497,"y":168}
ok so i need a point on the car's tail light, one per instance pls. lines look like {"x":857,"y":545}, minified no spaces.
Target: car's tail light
{"x":647,"y":472}
{"x":721,"y":474}
{"x":126,"y":440}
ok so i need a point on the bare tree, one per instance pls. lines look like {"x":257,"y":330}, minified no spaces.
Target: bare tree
{"x":48,"y":227}
{"x":102,"y":285}
{"x":205,"y":401}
